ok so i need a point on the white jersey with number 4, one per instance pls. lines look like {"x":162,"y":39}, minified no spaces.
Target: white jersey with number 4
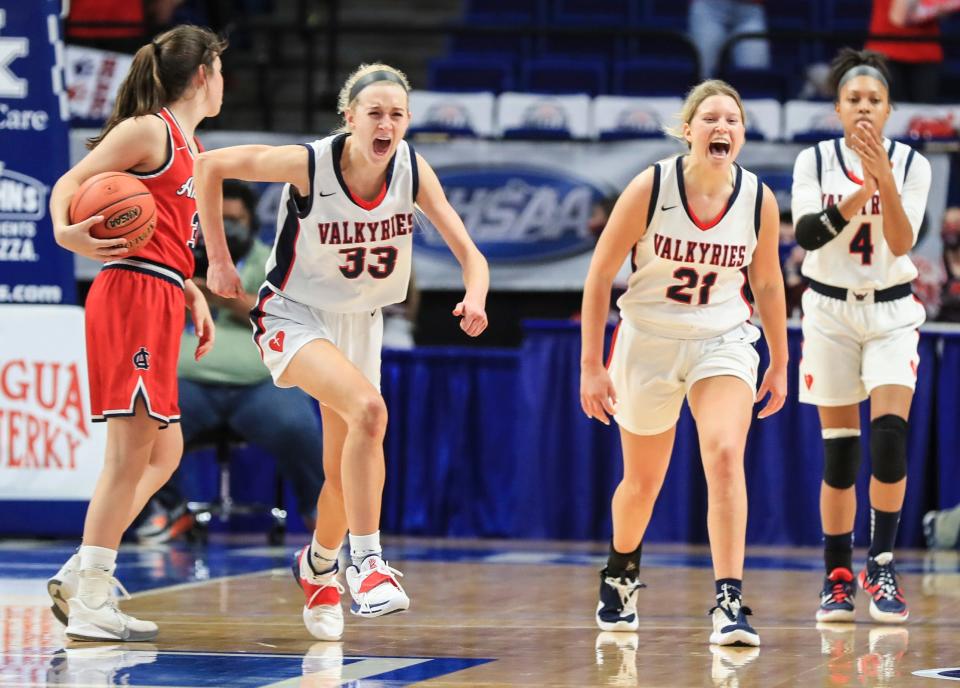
{"x":858,"y":257}
{"x":688,"y":274}
{"x":337,"y":252}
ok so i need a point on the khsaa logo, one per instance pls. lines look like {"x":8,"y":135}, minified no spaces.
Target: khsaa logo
{"x":21,"y":197}
{"x":451,"y":115}
{"x":518,"y":214}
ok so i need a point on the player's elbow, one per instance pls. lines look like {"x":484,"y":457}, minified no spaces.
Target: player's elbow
{"x":206,"y":168}
{"x":900,"y":248}
{"x":814,"y":230}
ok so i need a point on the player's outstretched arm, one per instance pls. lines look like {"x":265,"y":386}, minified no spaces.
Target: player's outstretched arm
{"x":766,"y":282}
{"x":476,"y":274}
{"x":138,"y":142}
{"x":255,"y":163}
{"x":623,"y":230}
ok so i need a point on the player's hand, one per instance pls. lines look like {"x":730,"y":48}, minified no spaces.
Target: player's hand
{"x":202,"y":323}
{"x":598,"y":398}
{"x":224,"y":280}
{"x":868,"y":144}
{"x":77,"y":238}
{"x":473,"y":318}
{"x":775,"y":384}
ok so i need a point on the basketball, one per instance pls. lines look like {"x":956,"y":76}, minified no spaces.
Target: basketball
{"x":126,"y":204}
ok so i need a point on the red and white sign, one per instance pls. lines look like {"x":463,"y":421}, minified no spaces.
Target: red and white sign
{"x":49,"y":449}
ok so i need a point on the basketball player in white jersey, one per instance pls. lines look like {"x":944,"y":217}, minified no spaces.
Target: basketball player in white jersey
{"x":342,"y":252}
{"x":694,"y":224}
{"x":857,"y":203}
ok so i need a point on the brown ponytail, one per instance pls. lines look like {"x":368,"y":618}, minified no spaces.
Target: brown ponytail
{"x":161,"y":73}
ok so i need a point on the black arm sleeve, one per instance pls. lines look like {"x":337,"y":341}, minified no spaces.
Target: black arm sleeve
{"x":816,"y":229}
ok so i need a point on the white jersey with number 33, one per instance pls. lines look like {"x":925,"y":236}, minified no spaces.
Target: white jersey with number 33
{"x":337,"y":252}
{"x":858,"y":257}
{"x":688,"y":274}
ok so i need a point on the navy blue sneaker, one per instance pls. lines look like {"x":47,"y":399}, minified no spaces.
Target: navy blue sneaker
{"x":730,"y":625}
{"x":617,"y":608}
{"x":836,"y":598}
{"x":879,"y":580}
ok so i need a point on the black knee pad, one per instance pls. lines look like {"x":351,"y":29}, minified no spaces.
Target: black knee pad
{"x":841,"y":461}
{"x":888,"y":448}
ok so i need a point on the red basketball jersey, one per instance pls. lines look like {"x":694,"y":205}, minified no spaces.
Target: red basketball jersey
{"x":172,"y":188}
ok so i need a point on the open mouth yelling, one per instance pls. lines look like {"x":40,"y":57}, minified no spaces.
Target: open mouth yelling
{"x":719,"y":149}
{"x":381,"y":145}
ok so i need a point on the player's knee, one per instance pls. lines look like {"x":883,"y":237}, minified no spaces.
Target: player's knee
{"x":370,"y":415}
{"x":841,"y":458}
{"x":888,"y":448}
{"x":636,"y":487}
{"x":723,"y":468}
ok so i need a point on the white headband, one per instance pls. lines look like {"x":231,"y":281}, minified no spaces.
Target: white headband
{"x":863,"y":70}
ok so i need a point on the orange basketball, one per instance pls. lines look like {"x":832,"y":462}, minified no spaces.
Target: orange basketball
{"x":128,"y":209}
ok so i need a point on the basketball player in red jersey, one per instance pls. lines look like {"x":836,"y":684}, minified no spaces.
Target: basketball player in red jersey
{"x":173,"y":84}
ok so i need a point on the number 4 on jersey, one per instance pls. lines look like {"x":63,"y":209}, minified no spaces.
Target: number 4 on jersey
{"x":862,"y":244}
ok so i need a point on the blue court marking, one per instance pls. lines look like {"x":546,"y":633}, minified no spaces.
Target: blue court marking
{"x":952,"y":674}
{"x":175,"y":669}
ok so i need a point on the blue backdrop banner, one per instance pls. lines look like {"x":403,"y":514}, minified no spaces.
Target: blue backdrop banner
{"x":492,"y":443}
{"x":34,"y":149}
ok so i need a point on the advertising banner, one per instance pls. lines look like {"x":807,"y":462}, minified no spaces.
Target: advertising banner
{"x":49,"y":449}
{"x":33,"y":153}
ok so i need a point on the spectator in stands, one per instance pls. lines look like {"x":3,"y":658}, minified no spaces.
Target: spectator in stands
{"x":231,"y":386}
{"x":950,"y":292}
{"x":791,"y":257}
{"x":118,"y":25}
{"x":914,"y":66}
{"x":712,"y":22}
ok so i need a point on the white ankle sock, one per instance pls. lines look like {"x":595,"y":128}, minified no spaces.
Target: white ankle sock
{"x":322,"y":560}
{"x":97,"y":565}
{"x":362,"y":546}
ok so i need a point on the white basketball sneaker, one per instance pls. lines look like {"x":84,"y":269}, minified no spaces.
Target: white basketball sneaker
{"x":105,"y":622}
{"x":375,"y":588}
{"x":66,"y":582}
{"x":62,"y":586}
{"x":322,"y":614}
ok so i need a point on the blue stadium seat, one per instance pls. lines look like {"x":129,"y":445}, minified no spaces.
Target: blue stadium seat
{"x":847,"y":15}
{"x":792,"y":15}
{"x":664,"y":49}
{"x":757,"y":83}
{"x":592,"y":12}
{"x":664,"y":14}
{"x":510,"y":12}
{"x":652,"y":77}
{"x":471,"y":74}
{"x":599,"y":47}
{"x":515,"y":46}
{"x":559,"y":75}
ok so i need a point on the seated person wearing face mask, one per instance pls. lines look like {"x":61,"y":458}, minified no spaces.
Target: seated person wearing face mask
{"x":231,"y":386}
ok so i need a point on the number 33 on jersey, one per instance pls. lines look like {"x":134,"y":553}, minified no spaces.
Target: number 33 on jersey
{"x":337,"y":252}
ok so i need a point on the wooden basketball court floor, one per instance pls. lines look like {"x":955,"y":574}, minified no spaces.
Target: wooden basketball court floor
{"x":483,"y":613}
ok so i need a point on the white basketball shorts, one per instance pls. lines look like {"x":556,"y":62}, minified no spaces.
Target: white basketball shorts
{"x":281,"y":327}
{"x":652,"y":374}
{"x":851,"y":348}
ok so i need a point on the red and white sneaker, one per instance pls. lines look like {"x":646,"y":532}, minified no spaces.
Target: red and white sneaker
{"x":375,"y":588}
{"x":322,"y":614}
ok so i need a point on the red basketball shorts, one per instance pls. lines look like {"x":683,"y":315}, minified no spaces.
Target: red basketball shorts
{"x":134,"y":321}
